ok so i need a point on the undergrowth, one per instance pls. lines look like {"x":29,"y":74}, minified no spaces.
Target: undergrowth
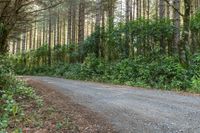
{"x":163,"y":72}
{"x":12,"y":91}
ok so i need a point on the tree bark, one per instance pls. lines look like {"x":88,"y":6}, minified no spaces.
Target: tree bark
{"x":81,"y":22}
{"x":69,"y":25}
{"x":3,"y":42}
{"x":49,"y":41}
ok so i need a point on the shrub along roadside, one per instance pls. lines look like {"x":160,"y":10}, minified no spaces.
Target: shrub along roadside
{"x":12,"y":91}
{"x":161,"y":72}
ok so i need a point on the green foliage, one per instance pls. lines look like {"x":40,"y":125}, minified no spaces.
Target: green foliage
{"x":92,"y":67}
{"x":88,"y":46}
{"x":73,"y":72}
{"x":195,"y":22}
{"x":138,"y":32}
{"x":195,"y":85}
{"x":145,"y":65}
{"x":168,"y":73}
{"x":6,"y":71}
{"x":10,"y":90}
{"x":195,"y":65}
{"x":155,"y":71}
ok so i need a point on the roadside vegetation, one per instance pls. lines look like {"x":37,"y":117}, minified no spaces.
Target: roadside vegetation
{"x":12,"y":93}
{"x":23,"y":109}
{"x":161,"y":72}
{"x":147,"y":64}
{"x":142,"y":43}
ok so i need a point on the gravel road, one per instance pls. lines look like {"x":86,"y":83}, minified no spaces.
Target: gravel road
{"x":134,"y":110}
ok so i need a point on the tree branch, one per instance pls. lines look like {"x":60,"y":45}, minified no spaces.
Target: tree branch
{"x":167,"y":1}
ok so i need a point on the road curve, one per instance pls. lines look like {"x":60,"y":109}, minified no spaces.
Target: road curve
{"x":134,"y":110}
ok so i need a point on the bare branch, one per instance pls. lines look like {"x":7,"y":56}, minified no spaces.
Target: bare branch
{"x":167,"y":1}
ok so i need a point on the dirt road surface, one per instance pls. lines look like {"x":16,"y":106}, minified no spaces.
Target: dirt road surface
{"x":134,"y":110}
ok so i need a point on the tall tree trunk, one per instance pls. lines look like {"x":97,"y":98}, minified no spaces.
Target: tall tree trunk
{"x":127,"y":41}
{"x":58,"y":29}
{"x":111,"y":4}
{"x":134,"y":9}
{"x":14,"y":47}
{"x":184,"y":45}
{"x":31,"y":38}
{"x":176,"y":18}
{"x":69,"y":31}
{"x":157,"y":2}
{"x":81,"y":25}
{"x":24,"y":48}
{"x":137,"y":9}
{"x":18,"y":46}
{"x":43,"y":35}
{"x":49,"y":41}
{"x":111,"y":14}
{"x":3,"y":41}
{"x":34,"y":36}
{"x":131,"y":10}
{"x":162,"y":15}
{"x":81,"y":22}
{"x":144,"y":9}
{"x":102,"y":41}
{"x":97,"y":27}
{"x":64,"y":30}
{"x":74,"y":24}
{"x":54,"y":35}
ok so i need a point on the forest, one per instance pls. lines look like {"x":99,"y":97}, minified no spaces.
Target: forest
{"x":140,"y":43}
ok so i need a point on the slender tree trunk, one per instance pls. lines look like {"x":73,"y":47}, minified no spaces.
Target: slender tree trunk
{"x":134,"y":7}
{"x":49,"y":41}
{"x":81,"y":22}
{"x":162,"y":15}
{"x":58,"y":29}
{"x":24,"y":48}
{"x":34,"y":36}
{"x":97,"y":26}
{"x":74,"y":24}
{"x":144,"y":9}
{"x":43,"y":35}
{"x":176,"y":17}
{"x":102,"y":41}
{"x":3,"y":41}
{"x":31,"y":38}
{"x":131,"y":10}
{"x":18,"y":46}
{"x":126,"y":47}
{"x":81,"y":25}
{"x":185,"y":36}
{"x":54,"y":35}
{"x":137,"y":9}
{"x":157,"y":1}
{"x":64,"y":30}
{"x":69,"y":34}
{"x":14,"y":47}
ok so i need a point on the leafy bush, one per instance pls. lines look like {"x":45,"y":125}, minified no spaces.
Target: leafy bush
{"x":195,"y":85}
{"x":156,"y":72}
{"x":92,"y":67}
{"x":167,"y":73}
{"x":6,"y":72}
{"x":73,"y":72}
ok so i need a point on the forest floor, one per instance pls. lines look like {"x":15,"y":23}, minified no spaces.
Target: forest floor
{"x":92,"y":106}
